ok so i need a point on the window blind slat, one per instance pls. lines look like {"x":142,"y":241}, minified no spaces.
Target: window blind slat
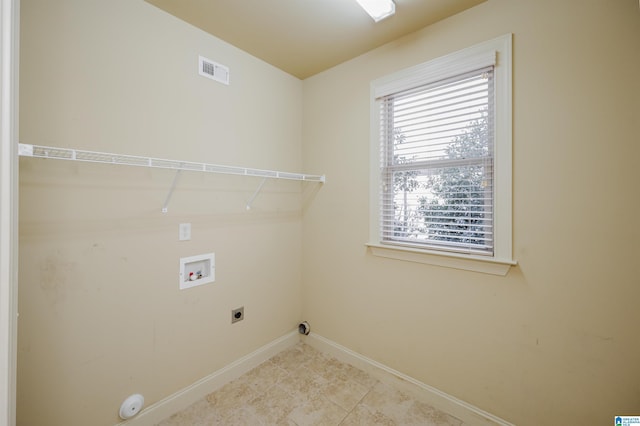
{"x":442,"y":99}
{"x":465,"y":110}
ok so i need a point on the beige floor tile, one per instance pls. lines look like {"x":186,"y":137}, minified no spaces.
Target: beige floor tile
{"x":318,"y":412}
{"x":345,"y":393}
{"x":304,"y":384}
{"x":264,"y":376}
{"x":274,"y":406}
{"x":293,"y":358}
{"x":361,"y":416}
{"x":301,"y":386}
{"x":404,"y":410}
{"x":359,"y":376}
{"x":198,"y":414}
{"x":420,"y":413}
{"x":388,"y":401}
{"x":241,"y":417}
{"x":230,"y":398}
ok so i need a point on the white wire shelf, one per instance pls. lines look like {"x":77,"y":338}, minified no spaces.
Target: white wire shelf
{"x":26,"y":150}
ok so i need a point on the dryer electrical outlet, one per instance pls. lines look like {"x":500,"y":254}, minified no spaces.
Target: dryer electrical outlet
{"x":197,"y":270}
{"x":237,"y":314}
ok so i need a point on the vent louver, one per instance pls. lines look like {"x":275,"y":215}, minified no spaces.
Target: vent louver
{"x":213,"y":70}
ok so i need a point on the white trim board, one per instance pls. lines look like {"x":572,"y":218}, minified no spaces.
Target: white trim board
{"x":180,"y":400}
{"x":464,"y":411}
{"x":9,"y":75}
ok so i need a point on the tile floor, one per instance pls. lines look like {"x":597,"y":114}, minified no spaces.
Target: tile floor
{"x":302,"y":386}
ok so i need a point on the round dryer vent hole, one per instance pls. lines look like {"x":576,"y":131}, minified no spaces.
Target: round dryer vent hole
{"x":304,"y":328}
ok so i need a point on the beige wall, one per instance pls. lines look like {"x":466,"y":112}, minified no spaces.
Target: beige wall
{"x":101,"y":316}
{"x":556,"y":340}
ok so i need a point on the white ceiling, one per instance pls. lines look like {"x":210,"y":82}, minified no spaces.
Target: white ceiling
{"x":305,"y":37}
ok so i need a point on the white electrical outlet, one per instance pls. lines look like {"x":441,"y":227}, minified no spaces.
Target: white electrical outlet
{"x":185,"y":231}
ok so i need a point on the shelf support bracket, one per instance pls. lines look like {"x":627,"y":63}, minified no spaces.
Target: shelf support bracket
{"x":255,"y":194}
{"x":173,"y":186}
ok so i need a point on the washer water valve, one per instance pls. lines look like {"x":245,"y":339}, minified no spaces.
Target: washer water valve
{"x":131,"y":406}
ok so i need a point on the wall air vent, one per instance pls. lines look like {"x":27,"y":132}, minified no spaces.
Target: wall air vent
{"x":213,"y":70}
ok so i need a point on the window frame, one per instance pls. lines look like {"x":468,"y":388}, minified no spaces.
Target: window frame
{"x":496,"y":52}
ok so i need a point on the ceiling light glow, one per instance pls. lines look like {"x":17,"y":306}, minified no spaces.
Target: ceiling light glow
{"x":378,"y":9}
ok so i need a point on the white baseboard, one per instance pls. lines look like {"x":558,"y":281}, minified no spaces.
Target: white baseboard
{"x":466,"y":412}
{"x":180,"y":400}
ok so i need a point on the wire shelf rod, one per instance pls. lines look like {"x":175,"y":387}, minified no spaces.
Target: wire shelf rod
{"x":38,"y":151}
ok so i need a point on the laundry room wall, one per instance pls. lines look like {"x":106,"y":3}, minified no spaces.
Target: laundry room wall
{"x":101,"y":315}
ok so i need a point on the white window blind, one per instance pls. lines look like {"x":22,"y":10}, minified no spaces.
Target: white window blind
{"x":437,"y":164}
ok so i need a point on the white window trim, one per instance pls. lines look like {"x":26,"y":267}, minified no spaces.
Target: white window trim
{"x":9,"y":72}
{"x":499,"y":52}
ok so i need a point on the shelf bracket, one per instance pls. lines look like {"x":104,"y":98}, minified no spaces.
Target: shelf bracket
{"x":255,"y":194}
{"x":173,"y":186}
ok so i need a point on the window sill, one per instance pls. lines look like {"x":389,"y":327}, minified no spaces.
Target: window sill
{"x":447,"y":260}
